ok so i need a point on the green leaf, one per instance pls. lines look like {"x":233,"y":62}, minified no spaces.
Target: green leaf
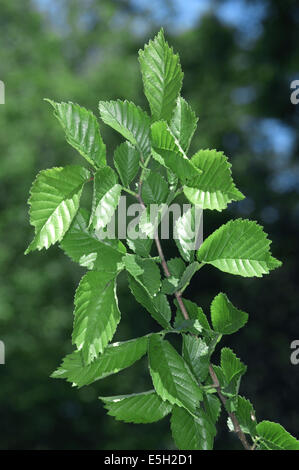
{"x":167,"y":152}
{"x":126,"y":161}
{"x":239,"y":247}
{"x":151,"y":276}
{"x":130,"y":121}
{"x":104,"y":179}
{"x":116,"y":357}
{"x":172,"y":179}
{"x":132,"y":265}
{"x":196,"y":354}
{"x":196,"y":315}
{"x":215,"y":188}
{"x":212,"y":406}
{"x":275,"y":437}
{"x":246,"y":416}
{"x":156,"y":305}
{"x":220,"y":375}
{"x":106,"y":196}
{"x":187,"y":232}
{"x":190,"y":432}
{"x":169,"y":285}
{"x":54,"y":201}
{"x":183,"y":123}
{"x":82,"y":131}
{"x":171,"y":376}
{"x":187,"y":275}
{"x":174,"y":284}
{"x":96,"y":314}
{"x":141,"y":246}
{"x":83,"y":247}
{"x":154,"y":189}
{"x":106,"y":207}
{"x":231,"y":365}
{"x":162,"y":76}
{"x":176,"y":267}
{"x":145,"y":271}
{"x":226,"y":319}
{"x":145,"y":407}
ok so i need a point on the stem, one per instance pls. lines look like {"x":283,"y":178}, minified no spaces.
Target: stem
{"x":232,"y":416}
{"x":178,"y":296}
{"x":127,"y":190}
{"x":216,"y":384}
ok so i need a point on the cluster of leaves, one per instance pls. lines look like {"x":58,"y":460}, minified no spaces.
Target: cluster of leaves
{"x":153,"y":160}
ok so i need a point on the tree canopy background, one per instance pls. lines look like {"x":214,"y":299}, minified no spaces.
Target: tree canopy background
{"x":239,"y":59}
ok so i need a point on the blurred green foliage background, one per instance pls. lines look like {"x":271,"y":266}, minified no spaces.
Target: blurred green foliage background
{"x":239,"y":58}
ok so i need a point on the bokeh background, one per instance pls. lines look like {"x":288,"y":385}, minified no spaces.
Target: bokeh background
{"x":239,"y":58}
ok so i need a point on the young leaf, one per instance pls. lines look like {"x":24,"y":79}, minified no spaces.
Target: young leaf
{"x":154,"y":189}
{"x":168,"y":153}
{"x":187,"y":229}
{"x":220,"y":375}
{"x":144,"y":271}
{"x":215,"y":188}
{"x":173,"y":284}
{"x":196,"y":354}
{"x":132,"y":265}
{"x":83,"y":247}
{"x":183,"y":123}
{"x":226,"y":319}
{"x":145,"y":407}
{"x":187,"y":275}
{"x":126,"y":161}
{"x":171,"y":178}
{"x":231,"y":365}
{"x":171,"y":376}
{"x":212,"y":406}
{"x":116,"y":357}
{"x":196,"y":315}
{"x":141,"y":246}
{"x":176,"y":267}
{"x":106,"y":207}
{"x":246,"y":416}
{"x":129,"y":120}
{"x":106,"y":196}
{"x":162,"y":76}
{"x":239,"y":247}
{"x":82,"y":131}
{"x":275,"y":437}
{"x":96,"y":314}
{"x":157,"y":306}
{"x":104,"y":179}
{"x":169,"y":285}
{"x":190,"y":432}
{"x":54,"y":201}
{"x":151,"y":276}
